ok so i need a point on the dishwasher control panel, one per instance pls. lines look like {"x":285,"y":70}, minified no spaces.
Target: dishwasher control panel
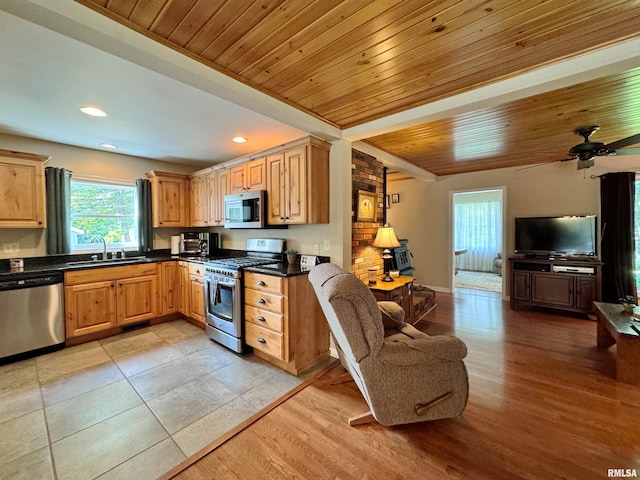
{"x":30,"y":280}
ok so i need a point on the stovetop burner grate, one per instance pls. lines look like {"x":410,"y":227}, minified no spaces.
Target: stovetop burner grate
{"x":240,"y":262}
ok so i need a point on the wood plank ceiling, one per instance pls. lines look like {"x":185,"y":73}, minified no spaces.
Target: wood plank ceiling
{"x":352,"y":61}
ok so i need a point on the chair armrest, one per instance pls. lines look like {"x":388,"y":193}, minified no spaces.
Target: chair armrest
{"x":392,"y":315}
{"x":405,"y":350}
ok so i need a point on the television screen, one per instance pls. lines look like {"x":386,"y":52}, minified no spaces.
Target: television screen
{"x":550,"y":235}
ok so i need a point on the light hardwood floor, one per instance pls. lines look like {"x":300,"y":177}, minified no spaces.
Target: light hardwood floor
{"x":543,"y":404}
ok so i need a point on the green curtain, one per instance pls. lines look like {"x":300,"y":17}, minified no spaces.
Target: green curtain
{"x":145,"y":227}
{"x":58,"y":189}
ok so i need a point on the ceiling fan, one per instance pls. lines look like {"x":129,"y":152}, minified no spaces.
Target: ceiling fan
{"x":586,"y":151}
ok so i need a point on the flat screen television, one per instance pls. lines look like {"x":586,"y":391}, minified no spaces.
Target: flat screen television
{"x":552,"y":236}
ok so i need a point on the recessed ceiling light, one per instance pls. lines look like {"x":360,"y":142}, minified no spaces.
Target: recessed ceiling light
{"x":93,"y":111}
{"x":239,"y":139}
{"x":108,"y":145}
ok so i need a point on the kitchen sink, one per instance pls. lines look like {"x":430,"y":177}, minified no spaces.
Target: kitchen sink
{"x":110,"y":262}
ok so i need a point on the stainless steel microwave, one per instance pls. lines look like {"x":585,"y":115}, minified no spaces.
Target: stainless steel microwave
{"x":245,"y":210}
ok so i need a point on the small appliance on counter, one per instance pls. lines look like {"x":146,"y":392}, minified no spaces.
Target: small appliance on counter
{"x":175,"y":245}
{"x":200,"y":244}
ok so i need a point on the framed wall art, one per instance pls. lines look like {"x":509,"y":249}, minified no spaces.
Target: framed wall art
{"x":366,"y":206}
{"x":395,"y":198}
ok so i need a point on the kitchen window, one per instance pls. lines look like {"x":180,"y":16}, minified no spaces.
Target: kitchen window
{"x":106,"y":209}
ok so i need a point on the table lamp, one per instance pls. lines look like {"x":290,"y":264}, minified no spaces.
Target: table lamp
{"x":386,"y":239}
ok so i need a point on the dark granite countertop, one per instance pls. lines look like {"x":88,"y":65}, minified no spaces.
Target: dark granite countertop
{"x":57,"y":263}
{"x":279,"y":269}
{"x":61,"y":263}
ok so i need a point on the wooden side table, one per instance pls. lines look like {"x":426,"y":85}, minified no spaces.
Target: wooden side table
{"x":398,"y":291}
{"x":620,"y":328}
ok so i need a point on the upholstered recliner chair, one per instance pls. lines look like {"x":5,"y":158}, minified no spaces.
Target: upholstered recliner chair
{"x":404,"y":375}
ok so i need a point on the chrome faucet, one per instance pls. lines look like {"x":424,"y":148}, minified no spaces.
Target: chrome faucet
{"x":104,"y":245}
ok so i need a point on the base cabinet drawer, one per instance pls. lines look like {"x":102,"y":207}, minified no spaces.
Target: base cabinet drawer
{"x":264,"y":318}
{"x":264,"y":300}
{"x":265,"y":340}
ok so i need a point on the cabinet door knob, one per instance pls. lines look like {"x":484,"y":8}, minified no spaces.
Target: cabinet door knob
{"x":261,"y":283}
{"x":262,"y":340}
{"x":262,"y":300}
{"x":262,"y":319}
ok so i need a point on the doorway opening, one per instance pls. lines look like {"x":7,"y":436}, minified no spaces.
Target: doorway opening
{"x":478,"y":240}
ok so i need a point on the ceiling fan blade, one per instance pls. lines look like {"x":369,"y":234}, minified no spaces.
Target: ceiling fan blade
{"x":628,"y":151}
{"x":624,"y":142}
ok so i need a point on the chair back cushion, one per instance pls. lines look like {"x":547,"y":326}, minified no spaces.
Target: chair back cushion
{"x":351,"y":311}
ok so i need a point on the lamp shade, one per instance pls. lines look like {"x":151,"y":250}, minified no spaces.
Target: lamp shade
{"x":386,"y":238}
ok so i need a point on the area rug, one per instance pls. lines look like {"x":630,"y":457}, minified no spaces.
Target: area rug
{"x":491,"y":282}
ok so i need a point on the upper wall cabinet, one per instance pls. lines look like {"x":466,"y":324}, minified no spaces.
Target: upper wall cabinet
{"x":170,"y":199}
{"x":248,"y":176}
{"x":22,"y":191}
{"x":298,"y":183}
{"x":218,"y":188}
{"x":199,"y":193}
{"x":208,"y":189}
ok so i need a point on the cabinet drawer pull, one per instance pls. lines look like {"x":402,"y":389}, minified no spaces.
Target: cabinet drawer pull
{"x":261,"y":319}
{"x":261,"y":283}
{"x":262,"y":300}
{"x":262,"y":340}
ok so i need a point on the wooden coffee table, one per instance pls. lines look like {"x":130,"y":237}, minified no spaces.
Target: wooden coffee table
{"x":614,"y":326}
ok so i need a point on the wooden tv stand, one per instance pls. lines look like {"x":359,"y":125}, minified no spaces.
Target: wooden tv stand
{"x":571,"y":285}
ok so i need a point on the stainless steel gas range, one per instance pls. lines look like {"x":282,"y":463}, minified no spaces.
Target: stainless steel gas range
{"x":223,"y":290}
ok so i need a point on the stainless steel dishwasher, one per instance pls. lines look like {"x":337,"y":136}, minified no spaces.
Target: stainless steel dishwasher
{"x":31,"y":312}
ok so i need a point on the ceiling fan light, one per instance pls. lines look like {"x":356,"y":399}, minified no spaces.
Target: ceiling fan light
{"x":587,"y":163}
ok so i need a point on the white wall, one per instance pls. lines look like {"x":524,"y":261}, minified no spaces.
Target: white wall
{"x":84,"y":161}
{"x":424,"y":213}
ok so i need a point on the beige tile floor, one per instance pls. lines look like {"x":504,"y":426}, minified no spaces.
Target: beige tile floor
{"x":127,"y":407}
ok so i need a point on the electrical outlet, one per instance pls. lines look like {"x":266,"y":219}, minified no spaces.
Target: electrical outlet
{"x":316,"y":249}
{"x":10,"y":247}
{"x":327,"y":245}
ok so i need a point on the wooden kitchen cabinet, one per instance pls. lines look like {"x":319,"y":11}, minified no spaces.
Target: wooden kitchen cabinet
{"x":218,"y":188}
{"x":284,"y":322}
{"x":298,"y":183}
{"x":137,"y":299}
{"x":170,"y":199}
{"x":22,"y":190}
{"x":169,"y":287}
{"x":183,"y":288}
{"x":248,"y":176}
{"x":199,"y":196}
{"x":89,"y":308}
{"x":207,"y":191}
{"x":196,"y":293}
{"x":103,"y":298}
